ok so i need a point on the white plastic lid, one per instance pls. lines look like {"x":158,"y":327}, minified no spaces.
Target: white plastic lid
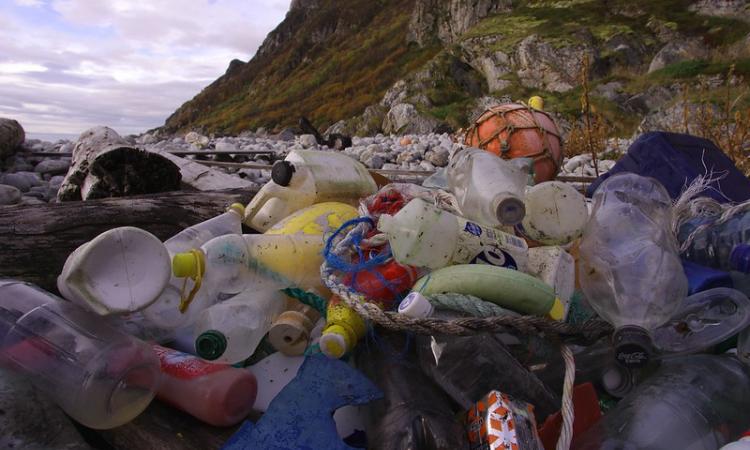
{"x":333,"y":345}
{"x":416,"y":305}
{"x":121,"y":270}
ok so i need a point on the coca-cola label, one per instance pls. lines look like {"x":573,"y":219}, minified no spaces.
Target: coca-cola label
{"x":632,"y":358}
{"x":185,"y":366}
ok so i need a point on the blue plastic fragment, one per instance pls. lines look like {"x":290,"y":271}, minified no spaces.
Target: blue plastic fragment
{"x":301,"y":416}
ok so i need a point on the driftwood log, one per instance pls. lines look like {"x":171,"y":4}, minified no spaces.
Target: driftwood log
{"x":198,"y":176}
{"x":36,"y":240}
{"x":105,"y":165}
{"x":11,"y":137}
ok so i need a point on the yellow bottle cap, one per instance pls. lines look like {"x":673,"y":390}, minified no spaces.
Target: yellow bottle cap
{"x":238,"y":207}
{"x":558,"y":310}
{"x":536,"y":102}
{"x":341,"y":315}
{"x":335,"y":341}
{"x":185,"y":265}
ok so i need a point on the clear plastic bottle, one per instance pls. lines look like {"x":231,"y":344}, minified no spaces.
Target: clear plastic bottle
{"x":423,"y":235}
{"x":230,"y":331}
{"x":101,"y":377}
{"x":489,"y":189}
{"x":725,"y":246}
{"x":696,"y":402}
{"x":630,"y":271}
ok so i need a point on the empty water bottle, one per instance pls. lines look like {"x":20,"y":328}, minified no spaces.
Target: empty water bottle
{"x":696,"y":402}
{"x":630,"y":271}
{"x":101,"y":377}
{"x":725,"y":246}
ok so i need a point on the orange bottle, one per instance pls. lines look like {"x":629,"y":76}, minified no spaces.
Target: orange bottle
{"x":217,"y":394}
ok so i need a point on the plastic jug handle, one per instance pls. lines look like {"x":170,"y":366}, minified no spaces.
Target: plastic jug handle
{"x":258,"y":202}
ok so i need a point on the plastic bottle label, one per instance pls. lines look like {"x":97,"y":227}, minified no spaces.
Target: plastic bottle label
{"x":480,"y":245}
{"x":185,"y":366}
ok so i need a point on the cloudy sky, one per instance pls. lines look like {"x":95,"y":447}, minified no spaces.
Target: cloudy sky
{"x":67,"y":65}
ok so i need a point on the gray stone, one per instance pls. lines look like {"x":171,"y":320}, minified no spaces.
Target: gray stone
{"x":12,"y":136}
{"x":23,"y":181}
{"x":446,"y":20}
{"x":404,"y":118}
{"x":9,"y":195}
{"x":197,"y":140}
{"x":374,"y":162}
{"x":286,"y":135}
{"x":612,"y":91}
{"x":27,"y":200}
{"x":438,"y":156}
{"x":678,"y":51}
{"x":67,"y":147}
{"x":225,"y":146}
{"x":308,"y":141}
{"x":40,"y":192}
{"x":540,"y":65}
{"x":52,"y":166}
{"x":655,"y":97}
{"x":736,"y":9}
{"x":426,"y":165}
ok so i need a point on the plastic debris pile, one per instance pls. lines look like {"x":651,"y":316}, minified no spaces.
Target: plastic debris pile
{"x":490,"y":307}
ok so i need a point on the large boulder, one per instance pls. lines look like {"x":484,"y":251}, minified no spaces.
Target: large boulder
{"x":11,"y":137}
{"x":404,"y":118}
{"x":735,"y":9}
{"x":677,"y":51}
{"x":493,"y":64}
{"x":541,"y":65}
{"x":447,"y":20}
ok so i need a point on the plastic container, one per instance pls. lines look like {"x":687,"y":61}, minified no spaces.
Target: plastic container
{"x":318,"y":219}
{"x":423,"y":235}
{"x":217,"y":394}
{"x":304,"y":178}
{"x":344,"y":328}
{"x":291,"y":331}
{"x":741,"y":444}
{"x":194,"y":236}
{"x":489,"y":189}
{"x":230,"y":331}
{"x":704,"y":320}
{"x":555,"y":213}
{"x":629,"y":268}
{"x":121,"y":270}
{"x":556,"y":267}
{"x":101,"y":377}
{"x":725,"y":246}
{"x":696,"y":402}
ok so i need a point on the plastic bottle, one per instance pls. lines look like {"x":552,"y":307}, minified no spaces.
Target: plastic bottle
{"x":725,"y":246}
{"x":740,"y":444}
{"x":344,"y":328}
{"x":705,"y":319}
{"x":101,"y":377}
{"x":217,"y":394}
{"x":320,"y":219}
{"x":696,"y":402}
{"x":489,"y":189}
{"x":423,"y":235}
{"x":230,"y":331}
{"x":630,"y":271}
{"x":415,"y":413}
{"x":306,"y":177}
{"x":555,"y":213}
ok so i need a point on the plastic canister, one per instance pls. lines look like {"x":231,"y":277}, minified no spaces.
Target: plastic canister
{"x":555,"y":213}
{"x":121,"y":270}
{"x":319,"y":219}
{"x":304,"y":178}
{"x":344,"y":328}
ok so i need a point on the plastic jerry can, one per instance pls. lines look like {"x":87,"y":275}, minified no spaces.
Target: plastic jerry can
{"x":304,"y":178}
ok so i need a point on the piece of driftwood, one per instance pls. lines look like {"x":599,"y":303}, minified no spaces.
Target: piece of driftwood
{"x":198,"y":176}
{"x":105,"y":165}
{"x":36,"y":240}
{"x":161,"y":427}
{"x":11,"y":137}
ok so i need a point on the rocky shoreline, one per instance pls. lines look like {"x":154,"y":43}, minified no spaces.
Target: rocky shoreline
{"x":27,"y":179}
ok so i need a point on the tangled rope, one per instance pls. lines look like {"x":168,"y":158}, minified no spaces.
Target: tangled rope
{"x":566,"y":433}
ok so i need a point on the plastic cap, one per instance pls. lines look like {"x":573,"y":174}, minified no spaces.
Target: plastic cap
{"x":282,"y":172}
{"x":185,"y":265}
{"x":211,"y":344}
{"x":536,"y":102}
{"x":416,"y":305}
{"x":335,"y":341}
{"x":739,"y":259}
{"x":510,"y":211}
{"x":633,"y":347}
{"x":557,"y":312}
{"x":238,"y":208}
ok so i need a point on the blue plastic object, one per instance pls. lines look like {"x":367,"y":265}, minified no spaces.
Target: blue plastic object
{"x":701,"y":278}
{"x":301,"y":416}
{"x":676,"y":160}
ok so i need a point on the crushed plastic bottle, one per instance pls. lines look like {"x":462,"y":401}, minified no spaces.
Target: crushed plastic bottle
{"x":230,"y":331}
{"x":725,"y":246}
{"x":101,"y":377}
{"x":489,"y":189}
{"x":696,"y":402}
{"x":423,"y":235}
{"x":630,"y":271}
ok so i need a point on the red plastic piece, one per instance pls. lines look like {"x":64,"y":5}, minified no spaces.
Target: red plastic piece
{"x":586,"y":411}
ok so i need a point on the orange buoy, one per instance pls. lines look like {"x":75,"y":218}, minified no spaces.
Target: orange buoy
{"x":513,"y":130}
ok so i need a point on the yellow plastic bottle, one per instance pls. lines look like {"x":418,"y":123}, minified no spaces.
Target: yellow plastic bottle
{"x":344,"y":328}
{"x":320,"y":218}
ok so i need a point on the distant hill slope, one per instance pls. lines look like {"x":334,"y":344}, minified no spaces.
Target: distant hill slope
{"x":417,"y":65}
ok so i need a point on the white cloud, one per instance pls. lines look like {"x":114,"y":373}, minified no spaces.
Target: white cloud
{"x":66,"y":65}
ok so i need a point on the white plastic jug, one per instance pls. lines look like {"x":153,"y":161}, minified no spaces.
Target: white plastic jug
{"x":423,"y":235}
{"x":489,"y":189}
{"x":306,"y":177}
{"x":555,"y":213}
{"x":121,"y":270}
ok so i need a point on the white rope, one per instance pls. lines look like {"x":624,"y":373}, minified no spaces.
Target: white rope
{"x":566,"y":432}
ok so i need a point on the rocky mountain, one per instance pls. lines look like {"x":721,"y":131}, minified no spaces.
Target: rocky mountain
{"x":415,"y":66}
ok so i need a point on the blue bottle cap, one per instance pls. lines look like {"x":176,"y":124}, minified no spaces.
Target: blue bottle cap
{"x":739,"y":259}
